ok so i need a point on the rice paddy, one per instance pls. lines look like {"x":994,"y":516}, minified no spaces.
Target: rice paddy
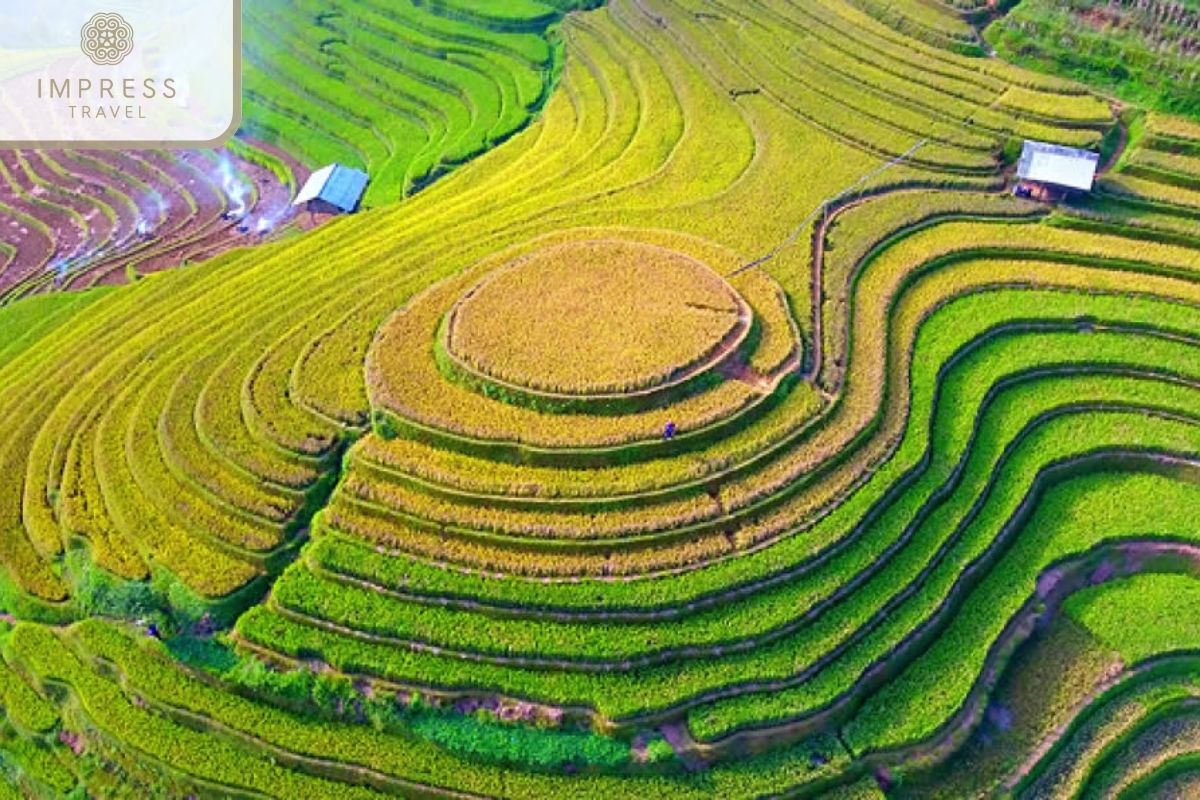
{"x":548,"y":323}
{"x":716,"y":424}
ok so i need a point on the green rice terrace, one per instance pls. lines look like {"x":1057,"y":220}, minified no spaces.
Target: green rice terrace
{"x":693,"y":410}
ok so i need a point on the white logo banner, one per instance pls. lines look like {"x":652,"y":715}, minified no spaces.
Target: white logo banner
{"x":119,"y":73}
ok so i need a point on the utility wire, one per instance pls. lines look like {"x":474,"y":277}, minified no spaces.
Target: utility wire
{"x":791,"y":239}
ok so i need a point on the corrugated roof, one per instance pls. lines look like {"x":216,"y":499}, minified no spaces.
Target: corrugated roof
{"x":1057,"y":165}
{"x":314,"y":185}
{"x":337,"y":185}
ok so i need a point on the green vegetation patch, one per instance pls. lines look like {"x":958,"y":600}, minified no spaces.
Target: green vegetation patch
{"x":1145,"y":53}
{"x":407,"y":91}
{"x":1142,"y":616}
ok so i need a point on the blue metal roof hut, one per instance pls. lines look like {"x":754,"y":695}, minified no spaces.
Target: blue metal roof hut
{"x":1063,"y":168}
{"x":334,"y":189}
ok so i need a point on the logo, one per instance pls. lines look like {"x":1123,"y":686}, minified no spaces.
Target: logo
{"x":185,"y":93}
{"x":106,"y":39}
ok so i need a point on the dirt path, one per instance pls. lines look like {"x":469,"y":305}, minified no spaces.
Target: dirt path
{"x":1122,"y":142}
{"x":817,"y":280}
{"x":738,"y":370}
{"x":817,"y":287}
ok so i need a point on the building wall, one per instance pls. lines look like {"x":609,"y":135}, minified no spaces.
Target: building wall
{"x":319,"y":206}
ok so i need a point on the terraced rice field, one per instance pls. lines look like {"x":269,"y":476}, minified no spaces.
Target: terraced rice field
{"x":1143,"y":52}
{"x":415,"y":510}
{"x":70,"y":220}
{"x":406,"y":90}
{"x":546,"y":323}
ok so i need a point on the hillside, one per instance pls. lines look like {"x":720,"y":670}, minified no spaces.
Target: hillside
{"x":720,"y":425}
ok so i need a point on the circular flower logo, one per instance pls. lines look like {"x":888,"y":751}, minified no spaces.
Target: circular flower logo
{"x":106,"y":39}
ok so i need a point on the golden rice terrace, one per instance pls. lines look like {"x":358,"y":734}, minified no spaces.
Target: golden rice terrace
{"x":595,"y":318}
{"x":695,"y":410}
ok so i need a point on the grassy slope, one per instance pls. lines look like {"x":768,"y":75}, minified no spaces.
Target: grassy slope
{"x":1138,"y":66}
